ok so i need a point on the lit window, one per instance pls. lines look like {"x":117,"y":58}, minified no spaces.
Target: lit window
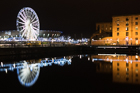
{"x":127,"y":24}
{"x":127,"y":33}
{"x":117,"y":34}
{"x":136,"y":18}
{"x":136,"y":23}
{"x":136,"y":28}
{"x":106,"y":28}
{"x":136,"y":65}
{"x":127,"y":69}
{"x":127,"y":19}
{"x":136,"y":33}
{"x":110,"y":28}
{"x":117,"y":24}
{"x":117,"y":29}
{"x":126,"y":28}
{"x":136,"y":70}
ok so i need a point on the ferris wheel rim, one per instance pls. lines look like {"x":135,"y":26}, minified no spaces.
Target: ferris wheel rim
{"x":24,"y":14}
{"x":34,"y":79}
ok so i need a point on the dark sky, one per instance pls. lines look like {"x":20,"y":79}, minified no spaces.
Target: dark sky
{"x":70,"y":16}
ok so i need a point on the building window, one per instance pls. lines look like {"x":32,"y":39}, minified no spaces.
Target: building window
{"x":117,"y":29}
{"x":136,"y":65}
{"x":127,"y":79}
{"x":136,"y":23}
{"x":117,"y":34}
{"x":136,"y":70}
{"x":136,"y":38}
{"x":127,"y":69}
{"x":136,"y":28}
{"x":136,"y":33}
{"x":117,"y":24}
{"x":127,"y":74}
{"x":127,"y":64}
{"x":136,"y":75}
{"x":117,"y":64}
{"x":117,"y":69}
{"x":127,"y":24}
{"x":106,"y":28}
{"x":136,"y":18}
{"x":127,"y":19}
{"x":127,"y":33}
{"x":117,"y":19}
{"x":126,"y":28}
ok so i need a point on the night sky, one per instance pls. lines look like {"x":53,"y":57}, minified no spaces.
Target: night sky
{"x":70,"y":16}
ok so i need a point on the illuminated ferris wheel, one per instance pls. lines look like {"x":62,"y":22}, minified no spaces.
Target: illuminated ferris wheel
{"x":28,"y":23}
{"x":28,"y":75}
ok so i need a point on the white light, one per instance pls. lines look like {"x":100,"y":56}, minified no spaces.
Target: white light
{"x":2,"y":64}
{"x":6,"y":70}
{"x":80,"y":56}
{"x":92,"y":60}
{"x":88,"y":58}
{"x":14,"y":65}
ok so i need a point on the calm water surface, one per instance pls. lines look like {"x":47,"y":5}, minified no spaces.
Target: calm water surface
{"x":75,"y":73}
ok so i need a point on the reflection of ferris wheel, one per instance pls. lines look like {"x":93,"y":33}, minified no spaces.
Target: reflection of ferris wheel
{"x":28,"y":23}
{"x":29,"y":74}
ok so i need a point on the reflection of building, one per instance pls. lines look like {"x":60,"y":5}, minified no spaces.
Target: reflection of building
{"x":125,"y":30}
{"x":42,"y":33}
{"x":125,"y":69}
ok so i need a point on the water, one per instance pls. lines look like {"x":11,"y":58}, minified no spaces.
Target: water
{"x":75,"y":73}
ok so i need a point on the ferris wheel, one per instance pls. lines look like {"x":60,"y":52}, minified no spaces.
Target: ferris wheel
{"x":28,"y":74}
{"x":28,"y":23}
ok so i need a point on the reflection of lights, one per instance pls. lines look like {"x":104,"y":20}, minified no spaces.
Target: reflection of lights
{"x":2,"y":64}
{"x":131,"y":61}
{"x":27,"y":72}
{"x":70,"y":60}
{"x":92,"y":60}
{"x":111,"y":60}
{"x":88,"y":58}
{"x":14,"y":65}
{"x":6,"y":70}
{"x":80,"y":56}
{"x":136,"y":56}
{"x":52,"y":59}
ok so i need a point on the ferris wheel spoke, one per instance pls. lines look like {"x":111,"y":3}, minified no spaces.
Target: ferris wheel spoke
{"x":23,"y":33}
{"x":21,"y":18}
{"x":33,"y":19}
{"x":35,"y":28}
{"x":21,"y":26}
{"x":21,"y":23}
{"x":35,"y":22}
{"x":24,"y":14}
{"x":22,"y":30}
